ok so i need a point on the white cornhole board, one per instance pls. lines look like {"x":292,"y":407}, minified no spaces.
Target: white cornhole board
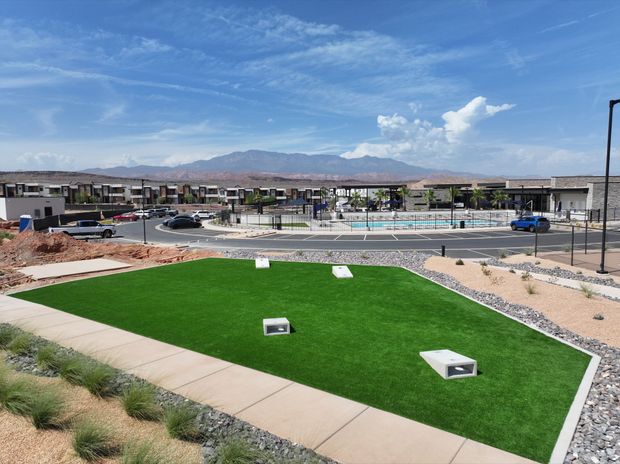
{"x":276,"y":326}
{"x":450,"y":365}
{"x":262,"y":263}
{"x":341,"y":272}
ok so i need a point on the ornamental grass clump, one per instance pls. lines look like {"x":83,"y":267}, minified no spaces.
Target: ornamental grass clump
{"x":92,"y":375}
{"x":46,"y":409}
{"x":237,"y":452}
{"x":16,"y":395}
{"x":139,"y":401}
{"x":7,"y":334}
{"x":180,"y":422}
{"x":49,"y":357}
{"x":92,"y":441}
{"x":20,"y":344}
{"x":587,"y":290}
{"x":531,"y":288}
{"x":144,"y":452}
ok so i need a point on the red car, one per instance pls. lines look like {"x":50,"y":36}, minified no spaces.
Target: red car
{"x":125,"y":217}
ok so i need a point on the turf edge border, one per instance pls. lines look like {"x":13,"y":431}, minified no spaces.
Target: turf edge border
{"x":572,"y":417}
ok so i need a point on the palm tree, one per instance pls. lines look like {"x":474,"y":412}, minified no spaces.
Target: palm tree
{"x":403,"y":192}
{"x":477,"y":195}
{"x":429,"y":197}
{"x":381,"y":195}
{"x":499,"y":197}
{"x":356,"y":200}
{"x":452,"y":193}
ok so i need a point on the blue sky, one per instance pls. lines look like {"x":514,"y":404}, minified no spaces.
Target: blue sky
{"x":495,"y":87}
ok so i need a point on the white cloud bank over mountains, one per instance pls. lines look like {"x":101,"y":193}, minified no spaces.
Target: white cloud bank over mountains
{"x":413,"y":141}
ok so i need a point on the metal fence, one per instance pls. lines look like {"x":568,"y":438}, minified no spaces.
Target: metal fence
{"x":360,"y":222}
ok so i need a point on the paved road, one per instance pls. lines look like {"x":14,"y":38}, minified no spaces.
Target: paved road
{"x":466,"y":244}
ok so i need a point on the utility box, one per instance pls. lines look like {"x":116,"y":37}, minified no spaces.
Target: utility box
{"x":450,"y":365}
{"x":262,"y":263}
{"x":341,"y":272}
{"x":276,"y":326}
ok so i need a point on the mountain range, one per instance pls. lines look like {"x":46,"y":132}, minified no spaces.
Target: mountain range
{"x":264,"y":164}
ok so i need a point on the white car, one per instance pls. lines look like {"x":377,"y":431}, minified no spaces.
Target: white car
{"x":202,"y":214}
{"x":143,"y":214}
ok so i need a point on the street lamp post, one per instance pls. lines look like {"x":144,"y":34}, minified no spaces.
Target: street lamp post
{"x":143,"y":211}
{"x":522,"y":201}
{"x":612,"y":103}
{"x":367,"y":205}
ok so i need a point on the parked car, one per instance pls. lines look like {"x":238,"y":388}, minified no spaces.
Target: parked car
{"x":180,"y":222}
{"x":86,"y":228}
{"x":172,"y":212}
{"x":143,"y":214}
{"x":125,"y":217}
{"x":202,"y":214}
{"x":158,"y":212}
{"x":187,"y":216}
{"x":531,"y":223}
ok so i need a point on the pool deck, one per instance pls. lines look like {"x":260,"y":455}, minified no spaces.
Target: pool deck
{"x":344,"y":430}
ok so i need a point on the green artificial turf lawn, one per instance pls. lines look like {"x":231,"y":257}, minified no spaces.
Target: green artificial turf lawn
{"x":358,"y":338}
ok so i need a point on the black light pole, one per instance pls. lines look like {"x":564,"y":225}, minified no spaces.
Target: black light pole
{"x":522,"y":201}
{"x":367,"y":208}
{"x":143,"y":212}
{"x":612,"y":103}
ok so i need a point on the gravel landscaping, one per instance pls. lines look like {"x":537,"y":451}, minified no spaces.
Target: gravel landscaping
{"x":216,"y":428}
{"x":597,"y":438}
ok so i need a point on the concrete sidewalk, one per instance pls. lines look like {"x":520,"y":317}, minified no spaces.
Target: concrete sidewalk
{"x":68,"y":268}
{"x":344,"y":430}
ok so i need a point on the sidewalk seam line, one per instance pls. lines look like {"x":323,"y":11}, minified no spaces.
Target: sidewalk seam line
{"x":81,"y":335}
{"x":263,"y":399}
{"x":340,"y":428}
{"x":158,"y":359}
{"x":199,"y":378}
{"x":116,"y":346}
{"x":458,"y":451}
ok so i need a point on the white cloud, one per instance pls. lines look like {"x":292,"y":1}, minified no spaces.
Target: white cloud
{"x":458,"y":123}
{"x":144,"y":46}
{"x":45,"y":161}
{"x":418,"y":139}
{"x":112,"y":112}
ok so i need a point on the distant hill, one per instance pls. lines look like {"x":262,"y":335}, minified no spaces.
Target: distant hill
{"x":257,"y":163}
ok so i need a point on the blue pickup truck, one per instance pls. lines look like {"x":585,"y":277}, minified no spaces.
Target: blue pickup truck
{"x":531,"y":223}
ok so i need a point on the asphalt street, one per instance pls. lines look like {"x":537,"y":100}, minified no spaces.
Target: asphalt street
{"x":461,"y":244}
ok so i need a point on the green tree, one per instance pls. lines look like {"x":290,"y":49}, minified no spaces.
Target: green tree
{"x":82,"y":197}
{"x":189,"y":198}
{"x":477,"y":195}
{"x":429,"y":197}
{"x":356,"y":200}
{"x":404,"y":192}
{"x":453,"y":192}
{"x":499,"y":197}
{"x":381,"y":195}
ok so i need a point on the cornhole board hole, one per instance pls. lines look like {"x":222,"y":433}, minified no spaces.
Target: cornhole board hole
{"x":450,"y":365}
{"x":276,"y":326}
{"x":341,"y":272}
{"x":262,"y":263}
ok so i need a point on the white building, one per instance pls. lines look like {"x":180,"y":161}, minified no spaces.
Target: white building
{"x":12,"y":208}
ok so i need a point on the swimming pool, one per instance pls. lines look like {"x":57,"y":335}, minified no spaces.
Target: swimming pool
{"x":423,"y":224}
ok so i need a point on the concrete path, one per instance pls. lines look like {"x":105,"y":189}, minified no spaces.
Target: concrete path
{"x":344,"y":430}
{"x":46,"y":271}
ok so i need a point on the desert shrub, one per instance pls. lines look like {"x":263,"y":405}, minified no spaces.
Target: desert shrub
{"x":364,"y":256}
{"x":537,"y":263}
{"x":46,"y":409}
{"x":578,"y":272}
{"x":329,"y":254}
{"x":526,"y":276}
{"x":531,"y":288}
{"x":7,"y":334}
{"x":180,"y":422}
{"x":299,"y":253}
{"x":566,"y":248}
{"x":20,"y":344}
{"x":139,"y":401}
{"x":503,"y":254}
{"x":528,"y":251}
{"x":587,"y":290}
{"x":237,"y":452}
{"x":92,"y":441}
{"x":598,"y":317}
{"x":485,"y":270}
{"x":512,"y":271}
{"x":459,"y":262}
